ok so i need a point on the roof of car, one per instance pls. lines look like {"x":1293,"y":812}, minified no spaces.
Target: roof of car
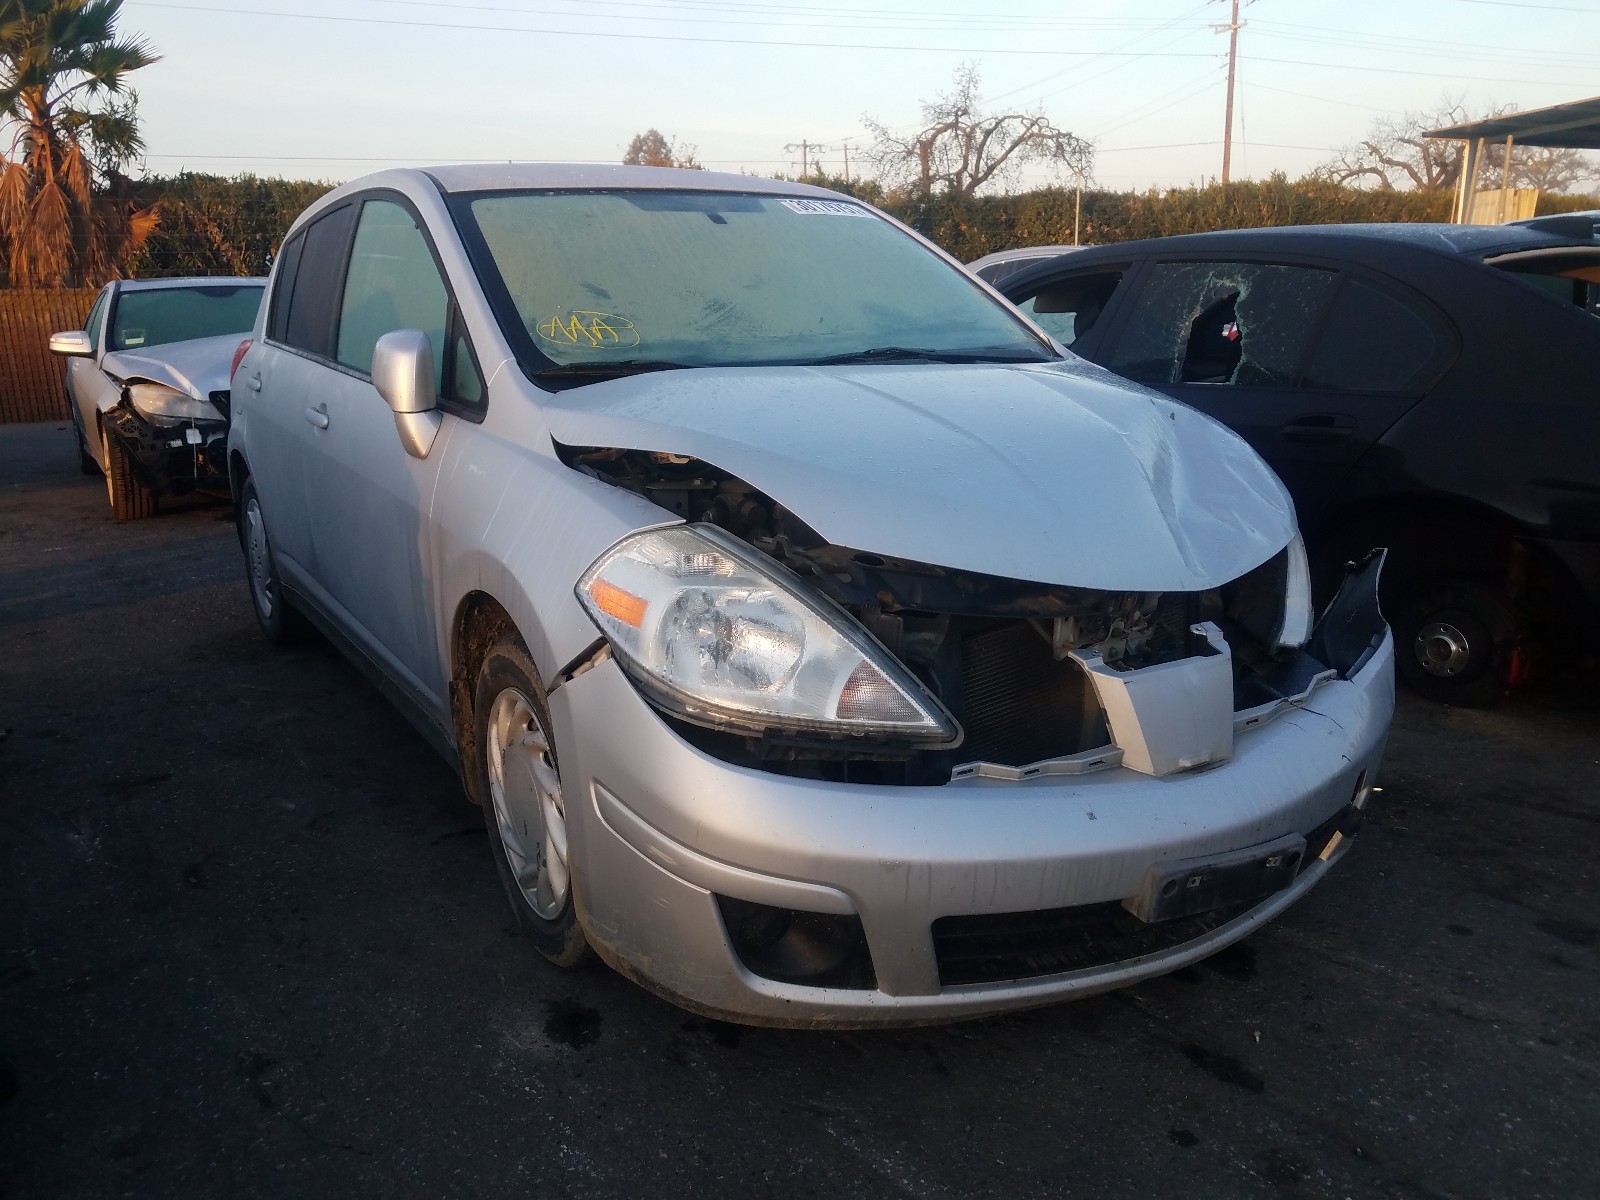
{"x":1469,"y":240}
{"x":479,"y":177}
{"x":152,"y":285}
{"x":1371,"y":243}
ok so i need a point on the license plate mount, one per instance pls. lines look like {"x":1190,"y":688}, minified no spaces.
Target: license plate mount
{"x":1184,"y":887}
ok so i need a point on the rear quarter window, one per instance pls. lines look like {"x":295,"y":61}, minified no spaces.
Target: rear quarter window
{"x":1373,"y":342}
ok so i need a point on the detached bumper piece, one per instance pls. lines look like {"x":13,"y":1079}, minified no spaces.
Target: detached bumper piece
{"x":191,"y":456}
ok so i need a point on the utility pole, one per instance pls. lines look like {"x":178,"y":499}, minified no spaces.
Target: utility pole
{"x":805,"y":154}
{"x":846,"y":148}
{"x":1233,"y":26}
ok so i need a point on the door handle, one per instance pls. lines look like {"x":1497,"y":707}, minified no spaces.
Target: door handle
{"x":253,"y":382}
{"x":318,"y":416}
{"x":1319,"y":427}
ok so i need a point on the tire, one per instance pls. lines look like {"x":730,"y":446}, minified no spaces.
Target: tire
{"x":281,"y":623}
{"x":130,"y":499}
{"x":1455,"y":642}
{"x":517,"y":777}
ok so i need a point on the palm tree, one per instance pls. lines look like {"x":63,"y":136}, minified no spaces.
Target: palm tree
{"x":64,"y":103}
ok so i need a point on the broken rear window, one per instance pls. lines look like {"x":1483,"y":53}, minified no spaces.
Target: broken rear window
{"x":1247,"y":324}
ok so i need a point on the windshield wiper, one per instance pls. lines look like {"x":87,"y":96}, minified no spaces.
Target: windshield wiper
{"x":921,"y":354}
{"x":611,"y":369}
{"x":623,"y":366}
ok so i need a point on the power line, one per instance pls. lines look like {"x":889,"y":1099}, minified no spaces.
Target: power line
{"x":637,"y":37}
{"x":714,"y":13}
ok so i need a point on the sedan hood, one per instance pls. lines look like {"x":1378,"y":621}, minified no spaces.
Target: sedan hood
{"x":197,"y":368}
{"x":1055,"y":473}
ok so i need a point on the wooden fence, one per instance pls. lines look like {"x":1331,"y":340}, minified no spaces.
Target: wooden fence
{"x":31,"y":378}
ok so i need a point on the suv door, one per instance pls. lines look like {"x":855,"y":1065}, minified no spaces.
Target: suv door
{"x":281,"y":379}
{"x":370,"y":499}
{"x":1310,"y":364}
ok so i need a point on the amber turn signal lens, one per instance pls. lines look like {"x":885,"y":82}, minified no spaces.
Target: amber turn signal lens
{"x":615,"y":602}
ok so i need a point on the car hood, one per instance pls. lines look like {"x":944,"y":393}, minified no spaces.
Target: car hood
{"x":1056,"y":473}
{"x":197,"y":368}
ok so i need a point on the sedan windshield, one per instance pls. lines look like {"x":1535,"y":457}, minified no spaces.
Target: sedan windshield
{"x":613,"y":281}
{"x":160,"y":315}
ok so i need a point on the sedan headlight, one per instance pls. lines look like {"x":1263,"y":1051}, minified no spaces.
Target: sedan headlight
{"x":1295,"y":629}
{"x":725,"y":637}
{"x":165,"y":405}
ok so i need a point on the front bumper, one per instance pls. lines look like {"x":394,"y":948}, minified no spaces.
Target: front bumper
{"x":173,"y":459}
{"x":658,"y":830}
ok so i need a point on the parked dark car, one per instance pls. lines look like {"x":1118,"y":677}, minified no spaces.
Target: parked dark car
{"x":1432,"y":388}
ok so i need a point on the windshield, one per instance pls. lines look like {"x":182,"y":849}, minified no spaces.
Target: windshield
{"x":672,"y":278}
{"x":162,"y":315}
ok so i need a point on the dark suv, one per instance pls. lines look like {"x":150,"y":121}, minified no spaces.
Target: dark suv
{"x":1431,"y":388}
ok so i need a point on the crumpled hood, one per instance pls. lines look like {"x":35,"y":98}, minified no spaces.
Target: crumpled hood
{"x":1056,"y":473}
{"x":196,"y":368}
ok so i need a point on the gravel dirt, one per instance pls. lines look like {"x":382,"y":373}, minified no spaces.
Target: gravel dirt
{"x":252,"y":944}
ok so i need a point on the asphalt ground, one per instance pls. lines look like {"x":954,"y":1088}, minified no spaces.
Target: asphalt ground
{"x":252,"y":944}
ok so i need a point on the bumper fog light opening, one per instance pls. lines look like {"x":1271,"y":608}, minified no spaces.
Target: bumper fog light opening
{"x":793,"y":946}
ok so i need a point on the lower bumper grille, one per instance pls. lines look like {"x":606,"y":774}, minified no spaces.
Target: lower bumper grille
{"x":1004,"y":946}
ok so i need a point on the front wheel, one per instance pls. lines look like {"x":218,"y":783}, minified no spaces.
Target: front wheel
{"x":130,"y":499}
{"x":524,"y":805}
{"x":1455,"y":641}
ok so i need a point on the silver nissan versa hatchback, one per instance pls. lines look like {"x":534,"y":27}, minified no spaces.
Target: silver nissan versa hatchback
{"x":824,"y":644}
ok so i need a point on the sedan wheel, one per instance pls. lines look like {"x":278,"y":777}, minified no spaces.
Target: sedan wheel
{"x":130,"y":499}
{"x":1454,"y":642}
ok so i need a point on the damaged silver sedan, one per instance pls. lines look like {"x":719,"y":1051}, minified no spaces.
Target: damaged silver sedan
{"x":147,"y":385}
{"x":824,"y":644}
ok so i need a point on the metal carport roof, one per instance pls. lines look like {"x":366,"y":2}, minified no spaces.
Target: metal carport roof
{"x":1575,"y":124}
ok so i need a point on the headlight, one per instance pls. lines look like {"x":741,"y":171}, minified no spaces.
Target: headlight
{"x":725,"y":637}
{"x":1297,"y":611}
{"x":165,"y":405}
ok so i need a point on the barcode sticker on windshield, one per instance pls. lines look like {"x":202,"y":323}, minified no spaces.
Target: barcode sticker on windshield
{"x":826,"y":208}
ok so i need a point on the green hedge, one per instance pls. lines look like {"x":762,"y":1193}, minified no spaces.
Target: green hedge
{"x":210,"y":225}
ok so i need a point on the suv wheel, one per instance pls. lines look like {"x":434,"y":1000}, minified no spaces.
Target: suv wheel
{"x":525,"y":808}
{"x":281,"y":624}
{"x":130,"y":499}
{"x":1454,"y":643}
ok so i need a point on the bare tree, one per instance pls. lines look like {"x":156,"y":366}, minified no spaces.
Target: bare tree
{"x":1395,"y":155}
{"x":650,"y":149}
{"x":960,"y":149}
{"x":1551,"y":168}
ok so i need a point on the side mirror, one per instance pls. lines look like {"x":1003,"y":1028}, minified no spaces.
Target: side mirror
{"x":402,"y":371}
{"x":74,"y":343}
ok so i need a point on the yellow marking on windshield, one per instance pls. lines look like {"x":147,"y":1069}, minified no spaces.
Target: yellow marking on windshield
{"x":582,"y":327}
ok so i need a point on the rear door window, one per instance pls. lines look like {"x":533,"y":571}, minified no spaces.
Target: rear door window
{"x":1069,"y":308}
{"x":314,"y":298}
{"x":1372,"y":342}
{"x":1247,"y":324}
{"x":283,"y":288}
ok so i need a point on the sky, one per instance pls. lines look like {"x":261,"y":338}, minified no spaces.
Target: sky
{"x":333,"y":89}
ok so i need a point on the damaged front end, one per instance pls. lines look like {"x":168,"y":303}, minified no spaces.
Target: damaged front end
{"x":177,"y":442}
{"x":1035,"y":679}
